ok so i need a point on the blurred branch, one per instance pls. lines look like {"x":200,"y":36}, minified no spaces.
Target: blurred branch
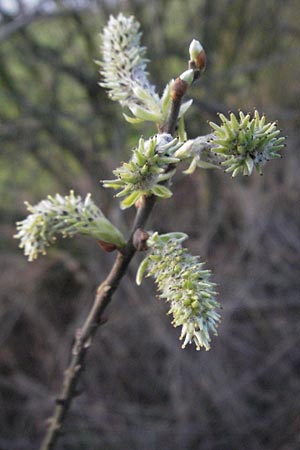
{"x":211,"y":108}
{"x":50,"y":55}
{"x":276,"y":58}
{"x":17,"y":23}
{"x":289,"y":29}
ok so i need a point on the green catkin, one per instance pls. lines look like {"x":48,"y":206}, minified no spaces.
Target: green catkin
{"x":186,"y":287}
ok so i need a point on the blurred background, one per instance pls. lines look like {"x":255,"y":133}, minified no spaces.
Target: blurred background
{"x":59,"y":131}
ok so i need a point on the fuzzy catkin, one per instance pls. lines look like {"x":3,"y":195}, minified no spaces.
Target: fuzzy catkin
{"x":246,"y":142}
{"x":65,"y":216}
{"x":123,"y":66}
{"x":185,"y":285}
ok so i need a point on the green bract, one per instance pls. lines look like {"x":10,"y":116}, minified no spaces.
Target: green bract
{"x":244,"y":143}
{"x":66,"y":216}
{"x":185,"y":284}
{"x":148,"y":170}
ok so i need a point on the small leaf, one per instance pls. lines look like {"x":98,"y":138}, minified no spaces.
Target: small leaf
{"x":132,"y":120}
{"x":177,"y":236}
{"x":184,"y":107}
{"x":106,"y":232}
{"x":166,"y":175}
{"x":141,"y":270}
{"x":166,"y":99}
{"x":185,"y":150}
{"x":250,"y":165}
{"x":130,"y":200}
{"x":192,"y":167}
{"x":114,"y":184}
{"x":161,"y":191}
{"x":206,"y":165}
{"x":124,"y":191}
{"x":144,"y":114}
{"x":147,"y":98}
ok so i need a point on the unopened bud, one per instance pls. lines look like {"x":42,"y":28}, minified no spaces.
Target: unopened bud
{"x":187,"y":76}
{"x":197,"y":55}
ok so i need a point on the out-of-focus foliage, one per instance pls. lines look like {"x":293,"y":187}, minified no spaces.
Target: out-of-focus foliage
{"x":59,"y":131}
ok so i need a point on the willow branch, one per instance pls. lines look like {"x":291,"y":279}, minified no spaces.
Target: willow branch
{"x":22,"y":21}
{"x":85,"y":335}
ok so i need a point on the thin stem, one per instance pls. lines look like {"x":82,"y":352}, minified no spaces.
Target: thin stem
{"x":172,"y":119}
{"x":84,"y":337}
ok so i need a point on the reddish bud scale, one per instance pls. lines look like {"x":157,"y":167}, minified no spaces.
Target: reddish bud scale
{"x":179,"y":88}
{"x":200,"y":61}
{"x":106,"y":247}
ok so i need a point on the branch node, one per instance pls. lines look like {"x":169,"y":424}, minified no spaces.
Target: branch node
{"x":140,"y":239}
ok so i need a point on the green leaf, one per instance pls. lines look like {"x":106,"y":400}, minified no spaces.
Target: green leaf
{"x":206,"y":165}
{"x":184,"y":107}
{"x":106,"y":232}
{"x":250,"y":164}
{"x":132,"y":120}
{"x":141,"y":270}
{"x":144,"y":114}
{"x":130,"y":200}
{"x":177,"y":235}
{"x":192,"y":167}
{"x":166,"y":99}
{"x":161,"y":191}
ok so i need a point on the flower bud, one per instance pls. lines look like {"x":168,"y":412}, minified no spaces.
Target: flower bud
{"x":197,"y":55}
{"x":187,"y":76}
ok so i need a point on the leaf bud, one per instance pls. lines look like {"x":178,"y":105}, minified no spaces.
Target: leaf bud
{"x":197,"y":55}
{"x":187,"y":76}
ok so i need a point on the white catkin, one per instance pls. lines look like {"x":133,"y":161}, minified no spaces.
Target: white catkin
{"x":123,"y":66}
